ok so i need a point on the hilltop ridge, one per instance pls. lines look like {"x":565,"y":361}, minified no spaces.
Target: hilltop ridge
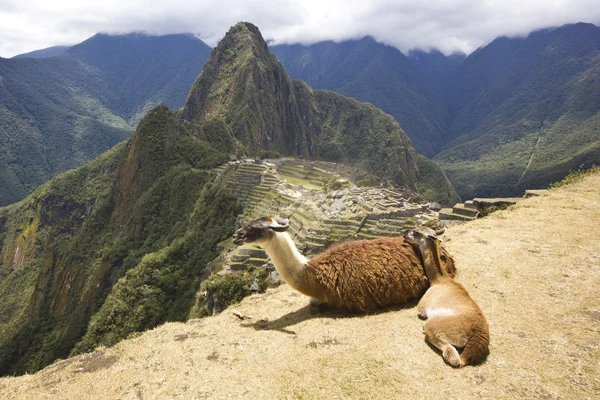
{"x":538,"y":289}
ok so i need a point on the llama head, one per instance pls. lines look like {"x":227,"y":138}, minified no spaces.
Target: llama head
{"x":260,"y":231}
{"x":422,"y":235}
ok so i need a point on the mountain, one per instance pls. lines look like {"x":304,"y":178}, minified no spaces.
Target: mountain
{"x":373,"y":72}
{"x":523,"y":112}
{"x":57,"y":113}
{"x":136,"y":237}
{"x":436,"y":66}
{"x":518,"y":113}
{"x":250,"y":90}
{"x":143,"y":71}
{"x":44,"y":53}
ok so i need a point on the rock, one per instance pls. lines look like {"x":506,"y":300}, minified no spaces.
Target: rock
{"x":275,"y":276}
{"x":435,"y":206}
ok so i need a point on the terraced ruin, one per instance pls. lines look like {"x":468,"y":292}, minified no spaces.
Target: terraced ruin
{"x":478,"y":207}
{"x":323,"y":202}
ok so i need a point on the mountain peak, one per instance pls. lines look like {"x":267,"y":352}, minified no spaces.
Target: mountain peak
{"x":243,"y":30}
{"x":242,"y":83}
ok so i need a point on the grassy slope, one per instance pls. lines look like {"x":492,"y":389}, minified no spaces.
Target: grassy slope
{"x":527,"y":279}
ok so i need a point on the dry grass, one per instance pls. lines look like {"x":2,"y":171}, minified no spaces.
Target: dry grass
{"x":534,"y":269}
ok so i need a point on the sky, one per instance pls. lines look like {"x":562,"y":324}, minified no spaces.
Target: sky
{"x":446,"y":25}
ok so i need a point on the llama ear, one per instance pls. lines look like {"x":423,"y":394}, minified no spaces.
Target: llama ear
{"x":280,"y":225}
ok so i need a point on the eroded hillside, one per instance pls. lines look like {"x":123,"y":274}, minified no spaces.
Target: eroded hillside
{"x":534,"y":269}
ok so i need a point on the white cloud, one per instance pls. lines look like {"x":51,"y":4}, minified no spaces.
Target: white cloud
{"x":463,"y":25}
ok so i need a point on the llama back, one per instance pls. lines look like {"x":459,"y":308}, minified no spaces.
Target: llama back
{"x":365,"y":275}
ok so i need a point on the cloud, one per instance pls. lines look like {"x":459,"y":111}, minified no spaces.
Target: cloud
{"x":461,"y":25}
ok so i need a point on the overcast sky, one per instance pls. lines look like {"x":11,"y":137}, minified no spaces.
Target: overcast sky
{"x":448,"y":25}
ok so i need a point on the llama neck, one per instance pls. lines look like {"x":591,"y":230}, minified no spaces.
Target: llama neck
{"x":432,"y":262}
{"x":288,"y":261}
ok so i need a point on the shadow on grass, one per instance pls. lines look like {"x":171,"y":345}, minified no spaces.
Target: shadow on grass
{"x":309,"y":312}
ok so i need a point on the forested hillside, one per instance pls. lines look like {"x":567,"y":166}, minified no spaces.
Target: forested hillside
{"x":524,"y":112}
{"x":57,"y":113}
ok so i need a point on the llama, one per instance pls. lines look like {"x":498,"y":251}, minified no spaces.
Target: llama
{"x":454,"y":322}
{"x":359,"y":276}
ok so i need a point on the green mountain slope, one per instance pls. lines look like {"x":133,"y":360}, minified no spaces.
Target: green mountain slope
{"x":60,"y":112}
{"x":69,"y":242}
{"x":524,"y":112}
{"x":52,"y":118}
{"x":373,"y":72}
{"x":124,"y":242}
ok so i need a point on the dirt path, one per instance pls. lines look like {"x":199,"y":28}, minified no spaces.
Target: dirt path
{"x":534,"y":269}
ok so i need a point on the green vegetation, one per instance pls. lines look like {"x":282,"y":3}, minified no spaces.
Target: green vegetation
{"x":433,"y":184}
{"x":360,"y":135}
{"x":125,"y":238}
{"x":58,"y":113}
{"x":220,"y":291}
{"x":575,"y":176}
{"x":162,"y":286}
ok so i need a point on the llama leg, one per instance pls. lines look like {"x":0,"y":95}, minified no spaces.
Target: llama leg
{"x":437,"y":338}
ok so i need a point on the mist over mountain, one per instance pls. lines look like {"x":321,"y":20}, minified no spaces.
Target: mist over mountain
{"x":57,"y":113}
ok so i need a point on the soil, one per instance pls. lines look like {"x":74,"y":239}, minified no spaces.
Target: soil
{"x":534,"y":269}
